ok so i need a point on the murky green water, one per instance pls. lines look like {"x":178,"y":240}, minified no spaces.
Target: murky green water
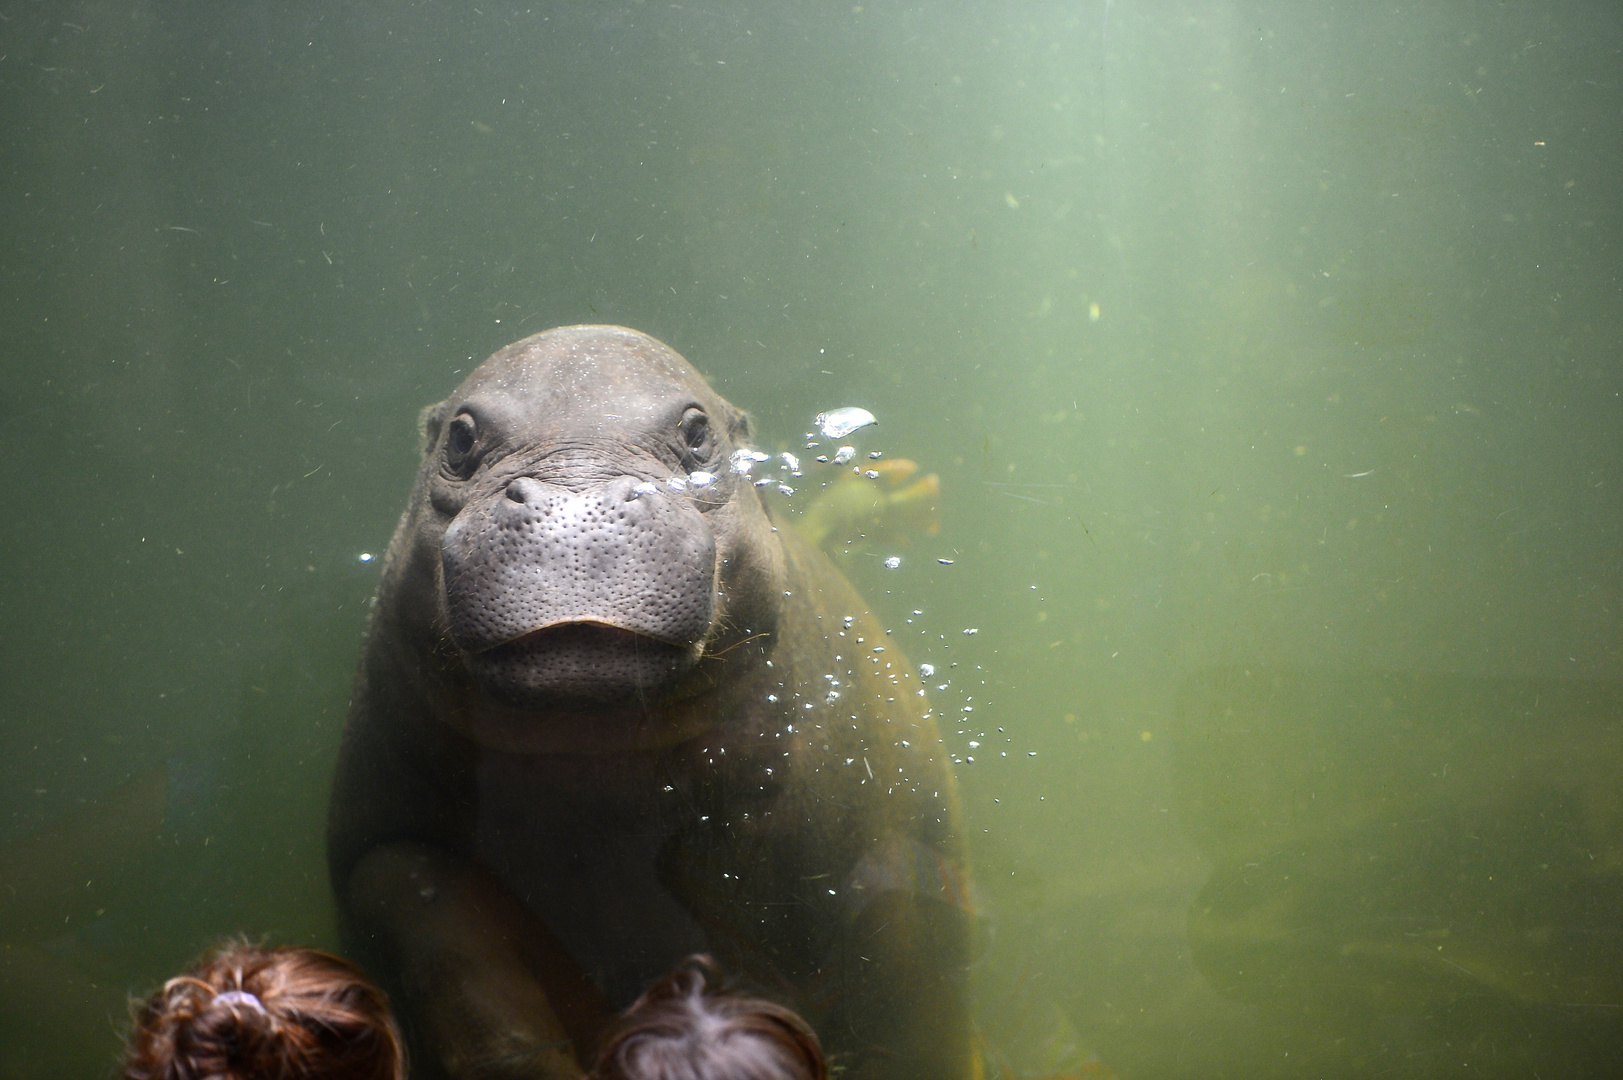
{"x":1267,"y":353}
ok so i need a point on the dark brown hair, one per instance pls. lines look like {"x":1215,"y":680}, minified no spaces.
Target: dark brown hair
{"x":251,"y":1013}
{"x":686,"y":1028}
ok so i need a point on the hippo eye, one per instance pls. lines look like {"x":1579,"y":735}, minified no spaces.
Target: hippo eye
{"x":696,"y":434}
{"x":460,"y":437}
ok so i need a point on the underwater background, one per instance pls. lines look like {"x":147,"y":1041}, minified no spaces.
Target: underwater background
{"x":1267,"y":355}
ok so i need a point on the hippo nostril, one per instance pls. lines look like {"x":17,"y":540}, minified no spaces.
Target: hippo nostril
{"x":518,"y":489}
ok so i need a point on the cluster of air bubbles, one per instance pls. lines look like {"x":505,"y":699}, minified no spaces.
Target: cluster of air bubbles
{"x":745,"y":459}
{"x":959,"y":703}
{"x":789,"y":465}
{"x":834,"y":425}
{"x":697,"y":480}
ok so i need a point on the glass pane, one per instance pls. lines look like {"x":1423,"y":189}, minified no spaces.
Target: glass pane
{"x":1249,"y":458}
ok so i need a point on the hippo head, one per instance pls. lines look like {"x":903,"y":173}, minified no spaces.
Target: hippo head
{"x":595,"y":544}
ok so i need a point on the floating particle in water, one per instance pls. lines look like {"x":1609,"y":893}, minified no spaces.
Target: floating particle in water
{"x":926,"y":670}
{"x":838,"y":423}
{"x":971,"y":631}
{"x":1093,"y":311}
{"x":844,"y":454}
{"x":944,"y":562}
{"x":893,"y":562}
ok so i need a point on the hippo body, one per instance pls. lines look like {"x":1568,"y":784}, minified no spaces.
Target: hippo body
{"x":609,"y":715}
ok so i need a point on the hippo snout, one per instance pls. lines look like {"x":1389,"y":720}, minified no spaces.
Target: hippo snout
{"x":598,"y":593}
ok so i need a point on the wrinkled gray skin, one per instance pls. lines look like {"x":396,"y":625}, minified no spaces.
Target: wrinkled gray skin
{"x":603,"y":721}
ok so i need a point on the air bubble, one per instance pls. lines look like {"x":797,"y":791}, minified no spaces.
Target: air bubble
{"x":926,"y":670}
{"x":893,"y":562}
{"x":844,"y":454}
{"x":838,"y":423}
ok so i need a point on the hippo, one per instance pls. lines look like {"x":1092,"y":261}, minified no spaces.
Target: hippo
{"x":611,"y":713}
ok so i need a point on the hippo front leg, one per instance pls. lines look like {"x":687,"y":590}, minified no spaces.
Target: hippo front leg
{"x":497,"y":996}
{"x":903,"y":1012}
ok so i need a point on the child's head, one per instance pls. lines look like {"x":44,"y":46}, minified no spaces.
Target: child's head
{"x":685,"y":1029}
{"x":246,"y":1013}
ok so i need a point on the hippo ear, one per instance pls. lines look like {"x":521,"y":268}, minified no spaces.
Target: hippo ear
{"x":739,"y":427}
{"x":429,"y":422}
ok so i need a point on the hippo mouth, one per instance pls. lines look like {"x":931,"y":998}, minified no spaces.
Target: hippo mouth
{"x":580,"y":663}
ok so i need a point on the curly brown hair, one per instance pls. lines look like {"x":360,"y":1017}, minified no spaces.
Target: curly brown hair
{"x":252,"y":1013}
{"x":685,"y":1028}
